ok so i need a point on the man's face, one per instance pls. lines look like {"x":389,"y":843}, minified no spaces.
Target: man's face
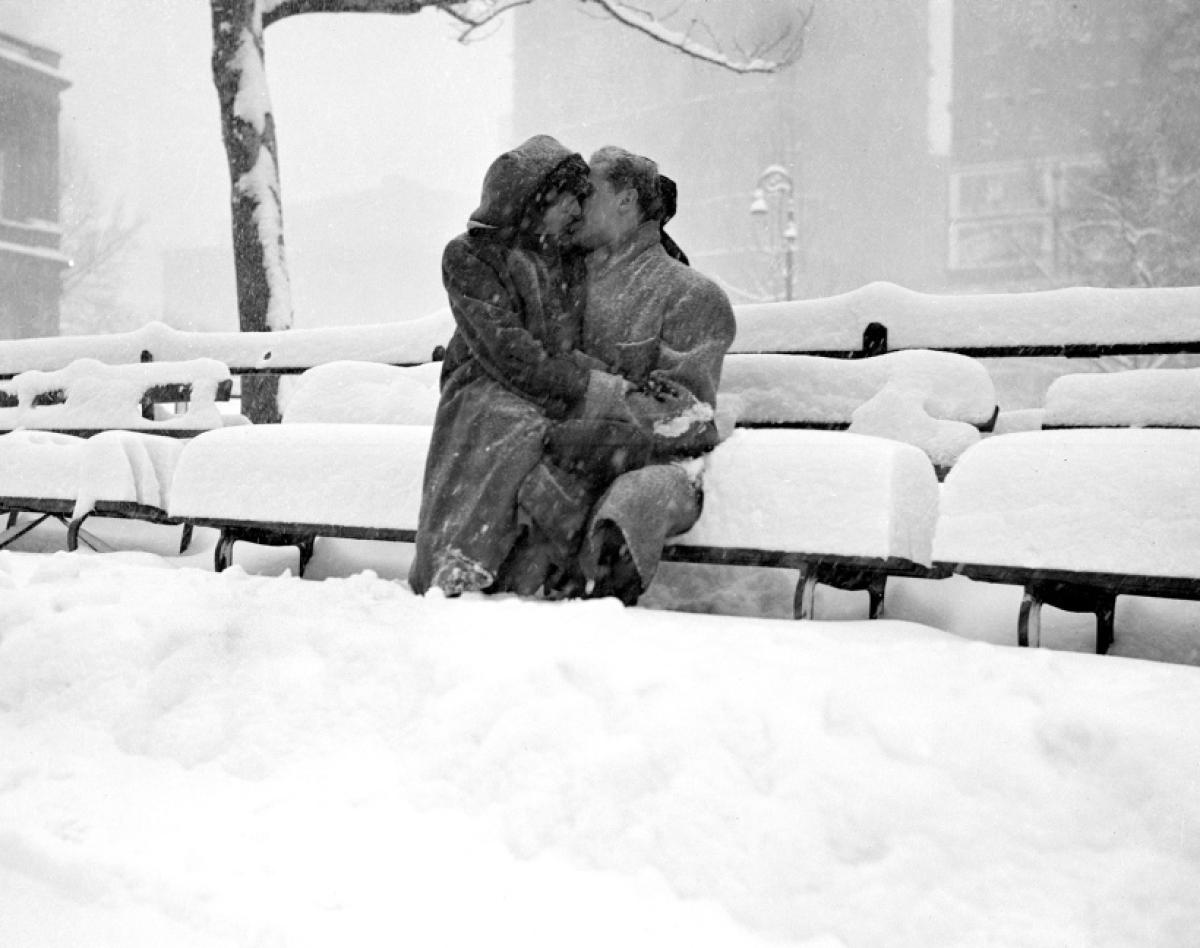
{"x":562,"y":216}
{"x":602,"y":216}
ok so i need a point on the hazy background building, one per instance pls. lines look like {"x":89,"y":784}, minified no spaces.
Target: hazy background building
{"x":30,"y":258}
{"x":946,"y":145}
{"x":848,"y":123}
{"x":1063,"y":138}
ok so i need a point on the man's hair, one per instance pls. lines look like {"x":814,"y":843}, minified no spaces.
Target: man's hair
{"x":623,"y":169}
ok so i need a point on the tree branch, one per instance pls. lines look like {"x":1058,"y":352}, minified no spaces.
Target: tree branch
{"x":647,"y":24}
{"x":275,"y":10}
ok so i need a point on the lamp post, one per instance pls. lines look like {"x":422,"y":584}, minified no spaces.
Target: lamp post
{"x":777,"y":180}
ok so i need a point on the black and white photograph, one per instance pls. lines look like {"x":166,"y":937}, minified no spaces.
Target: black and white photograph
{"x":599,"y":473}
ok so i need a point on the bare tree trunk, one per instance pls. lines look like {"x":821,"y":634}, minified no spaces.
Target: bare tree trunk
{"x":248,"y":127}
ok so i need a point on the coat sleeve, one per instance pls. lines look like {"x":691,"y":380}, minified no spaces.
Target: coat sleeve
{"x":696,"y":333}
{"x":489,"y":321}
{"x":678,"y":401}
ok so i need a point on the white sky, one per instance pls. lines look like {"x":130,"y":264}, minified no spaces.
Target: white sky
{"x":357,"y":98}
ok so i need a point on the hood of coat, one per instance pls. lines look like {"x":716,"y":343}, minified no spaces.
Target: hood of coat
{"x":514,"y":179}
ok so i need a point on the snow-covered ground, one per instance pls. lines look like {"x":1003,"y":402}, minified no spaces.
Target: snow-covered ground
{"x":250,"y":759}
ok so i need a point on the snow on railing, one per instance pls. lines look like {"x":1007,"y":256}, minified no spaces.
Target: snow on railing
{"x":402,"y":343}
{"x":1072,"y":321}
{"x":89,"y":395}
{"x":879,"y":317}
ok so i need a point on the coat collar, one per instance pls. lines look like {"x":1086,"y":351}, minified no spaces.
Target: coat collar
{"x":645,"y":236}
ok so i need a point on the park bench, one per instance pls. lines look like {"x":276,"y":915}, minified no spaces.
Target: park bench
{"x":840,"y":508}
{"x":1077,"y":518}
{"x":94,"y":440}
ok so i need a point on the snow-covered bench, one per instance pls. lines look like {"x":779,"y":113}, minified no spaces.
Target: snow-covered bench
{"x":117,"y":474}
{"x":1134,"y":398}
{"x":49,"y":470}
{"x":938,"y":401}
{"x":1077,"y":517}
{"x":89,"y":396}
{"x":843,"y":509}
{"x":287,"y":484}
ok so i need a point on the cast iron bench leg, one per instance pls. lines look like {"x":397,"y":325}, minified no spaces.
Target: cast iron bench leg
{"x":875,"y":589}
{"x":1106,"y":613}
{"x":804,"y":603}
{"x":13,"y":516}
{"x":73,"y":527}
{"x":1029,"y":624}
{"x":306,"y":547}
{"x":223,"y":552}
{"x":185,"y":538}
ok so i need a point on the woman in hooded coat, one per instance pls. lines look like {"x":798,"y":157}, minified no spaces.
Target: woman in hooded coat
{"x":511,"y":367}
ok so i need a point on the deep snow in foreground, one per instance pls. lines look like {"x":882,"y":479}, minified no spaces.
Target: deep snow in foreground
{"x":195,"y":759}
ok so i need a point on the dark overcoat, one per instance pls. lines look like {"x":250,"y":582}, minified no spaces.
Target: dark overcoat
{"x":511,"y":367}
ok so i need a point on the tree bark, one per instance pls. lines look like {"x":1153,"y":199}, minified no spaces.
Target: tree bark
{"x":248,"y":127}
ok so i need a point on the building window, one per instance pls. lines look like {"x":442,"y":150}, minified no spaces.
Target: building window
{"x":1000,"y":244}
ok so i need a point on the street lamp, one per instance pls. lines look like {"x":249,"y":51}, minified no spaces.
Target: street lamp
{"x":778,"y":180}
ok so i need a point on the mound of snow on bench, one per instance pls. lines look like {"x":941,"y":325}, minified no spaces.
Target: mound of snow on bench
{"x":365,"y":393}
{"x":112,"y":467}
{"x":973,"y":320}
{"x":41,"y":464}
{"x":1106,"y":501}
{"x":366,"y":476}
{"x":818,"y":492}
{"x":1134,"y":398}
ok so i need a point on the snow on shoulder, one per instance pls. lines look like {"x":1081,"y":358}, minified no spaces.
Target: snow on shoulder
{"x":1100,"y":500}
{"x":818,"y":492}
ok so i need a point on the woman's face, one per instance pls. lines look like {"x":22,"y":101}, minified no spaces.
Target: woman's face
{"x":562,"y":215}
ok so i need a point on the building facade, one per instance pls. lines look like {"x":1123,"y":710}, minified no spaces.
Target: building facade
{"x":837,"y":145}
{"x":31,"y":262}
{"x":1044,"y":93}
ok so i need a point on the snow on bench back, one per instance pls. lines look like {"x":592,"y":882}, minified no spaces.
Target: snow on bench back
{"x":99,"y":396}
{"x":818,"y":492}
{"x":1136,"y":398}
{"x":1071,"y":316}
{"x":364,"y":393}
{"x":408,"y":342}
{"x":1100,"y":500}
{"x":934,"y":400}
{"x":347,"y":475}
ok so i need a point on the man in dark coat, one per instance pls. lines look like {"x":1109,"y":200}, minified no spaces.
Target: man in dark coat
{"x":661,"y":330}
{"x":511,"y":367}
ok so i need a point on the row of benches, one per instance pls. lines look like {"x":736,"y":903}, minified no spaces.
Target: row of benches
{"x":844,"y":510}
